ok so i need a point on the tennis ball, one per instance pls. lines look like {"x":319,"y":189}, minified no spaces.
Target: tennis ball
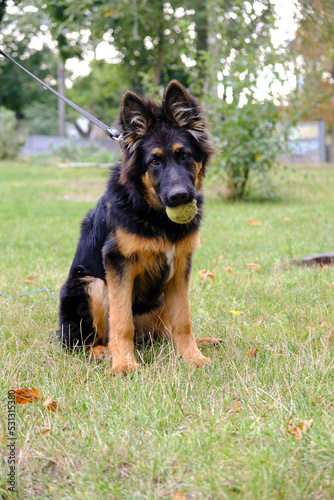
{"x":183,"y":213}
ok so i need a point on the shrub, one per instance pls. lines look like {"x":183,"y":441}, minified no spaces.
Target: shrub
{"x":11,"y":139}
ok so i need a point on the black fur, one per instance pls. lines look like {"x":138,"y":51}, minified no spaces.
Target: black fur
{"x":145,"y":127}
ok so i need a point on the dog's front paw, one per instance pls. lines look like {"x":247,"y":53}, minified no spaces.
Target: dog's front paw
{"x":198,"y":361}
{"x":124,"y":368}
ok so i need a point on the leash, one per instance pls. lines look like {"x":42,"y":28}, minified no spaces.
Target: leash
{"x":111,"y":131}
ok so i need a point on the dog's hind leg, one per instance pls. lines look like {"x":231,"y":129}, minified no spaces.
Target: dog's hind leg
{"x":98,"y":302}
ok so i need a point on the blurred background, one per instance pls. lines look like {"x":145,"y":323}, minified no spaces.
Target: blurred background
{"x":262,"y":69}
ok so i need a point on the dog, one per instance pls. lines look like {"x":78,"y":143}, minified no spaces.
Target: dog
{"x":131,"y":270}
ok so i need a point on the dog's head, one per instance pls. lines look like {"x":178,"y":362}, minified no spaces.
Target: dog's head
{"x":166,"y":148}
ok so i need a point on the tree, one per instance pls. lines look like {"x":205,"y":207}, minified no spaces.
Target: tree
{"x":247,"y":124}
{"x":313,"y":55}
{"x":19,"y":92}
{"x":101,"y":90}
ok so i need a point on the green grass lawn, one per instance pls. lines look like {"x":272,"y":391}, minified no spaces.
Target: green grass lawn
{"x":170,"y":431}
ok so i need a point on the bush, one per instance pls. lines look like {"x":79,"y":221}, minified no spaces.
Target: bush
{"x":41,"y":118}
{"x":250,"y":138}
{"x":11,"y":141}
{"x":83,"y":152}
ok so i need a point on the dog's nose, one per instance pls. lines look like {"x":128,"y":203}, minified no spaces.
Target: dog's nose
{"x":178,"y":196}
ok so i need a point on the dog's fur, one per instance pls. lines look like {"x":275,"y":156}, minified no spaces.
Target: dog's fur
{"x":130,"y":274}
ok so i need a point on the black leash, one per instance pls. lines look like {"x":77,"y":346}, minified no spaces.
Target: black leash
{"x":111,"y":131}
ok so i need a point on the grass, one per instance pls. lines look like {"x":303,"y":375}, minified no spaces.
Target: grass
{"x":169,"y":431}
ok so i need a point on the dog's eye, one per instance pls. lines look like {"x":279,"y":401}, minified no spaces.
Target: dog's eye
{"x":184,"y":156}
{"x":155,"y":161}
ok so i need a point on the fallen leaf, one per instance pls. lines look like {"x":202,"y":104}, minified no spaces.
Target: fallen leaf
{"x":179,"y":495}
{"x":287,"y":219}
{"x":330,"y":335}
{"x":228,"y":270}
{"x":288,"y":425}
{"x":253,"y":266}
{"x":324,"y":323}
{"x":205,"y":274}
{"x":45,"y":432}
{"x":298,"y":429}
{"x":252,"y":353}
{"x":27,"y":395}
{"x":220,"y":258}
{"x":4,"y":436}
{"x":214,"y":263}
{"x":201,"y":240}
{"x":28,"y":281}
{"x":50,"y":404}
{"x":254,"y":223}
{"x":236,"y":313}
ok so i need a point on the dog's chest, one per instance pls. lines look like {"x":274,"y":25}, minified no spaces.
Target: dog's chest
{"x":170,"y":261}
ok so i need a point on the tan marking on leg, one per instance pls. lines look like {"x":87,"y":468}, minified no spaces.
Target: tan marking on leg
{"x":121,"y":328}
{"x":98,"y":302}
{"x":178,"y":309}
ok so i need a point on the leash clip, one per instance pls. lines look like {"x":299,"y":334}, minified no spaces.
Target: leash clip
{"x":114,"y":133}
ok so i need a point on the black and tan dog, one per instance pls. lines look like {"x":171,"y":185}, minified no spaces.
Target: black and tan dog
{"x":130,"y":274}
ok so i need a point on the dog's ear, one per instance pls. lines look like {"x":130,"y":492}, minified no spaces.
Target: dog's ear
{"x":135,"y":115}
{"x":179,"y":107}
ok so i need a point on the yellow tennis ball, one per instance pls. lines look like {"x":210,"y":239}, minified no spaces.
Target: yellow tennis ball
{"x":183,"y":213}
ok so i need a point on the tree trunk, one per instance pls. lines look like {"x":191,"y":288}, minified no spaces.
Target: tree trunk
{"x":61,"y":104}
{"x":158,"y":70}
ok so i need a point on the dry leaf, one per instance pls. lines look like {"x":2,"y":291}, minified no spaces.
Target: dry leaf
{"x":324,"y":323}
{"x":254,"y":223}
{"x":214,"y":263}
{"x":50,"y":404}
{"x":4,"y":436}
{"x":179,"y":495}
{"x":205,"y":274}
{"x":287,"y":219}
{"x":298,"y":429}
{"x":330,"y":335}
{"x":228,"y":270}
{"x":201,"y":240}
{"x":27,"y":395}
{"x":220,"y":258}
{"x":288,"y":425}
{"x":253,"y":266}
{"x":252,"y":353}
{"x":45,"y":432}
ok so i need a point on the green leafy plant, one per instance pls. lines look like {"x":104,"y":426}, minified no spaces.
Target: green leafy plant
{"x":85,"y":152}
{"x":11,"y":140}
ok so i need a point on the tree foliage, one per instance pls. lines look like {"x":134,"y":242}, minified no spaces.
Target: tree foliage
{"x":10,"y":140}
{"x":313,"y":52}
{"x":245,"y":119}
{"x":218,"y":45}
